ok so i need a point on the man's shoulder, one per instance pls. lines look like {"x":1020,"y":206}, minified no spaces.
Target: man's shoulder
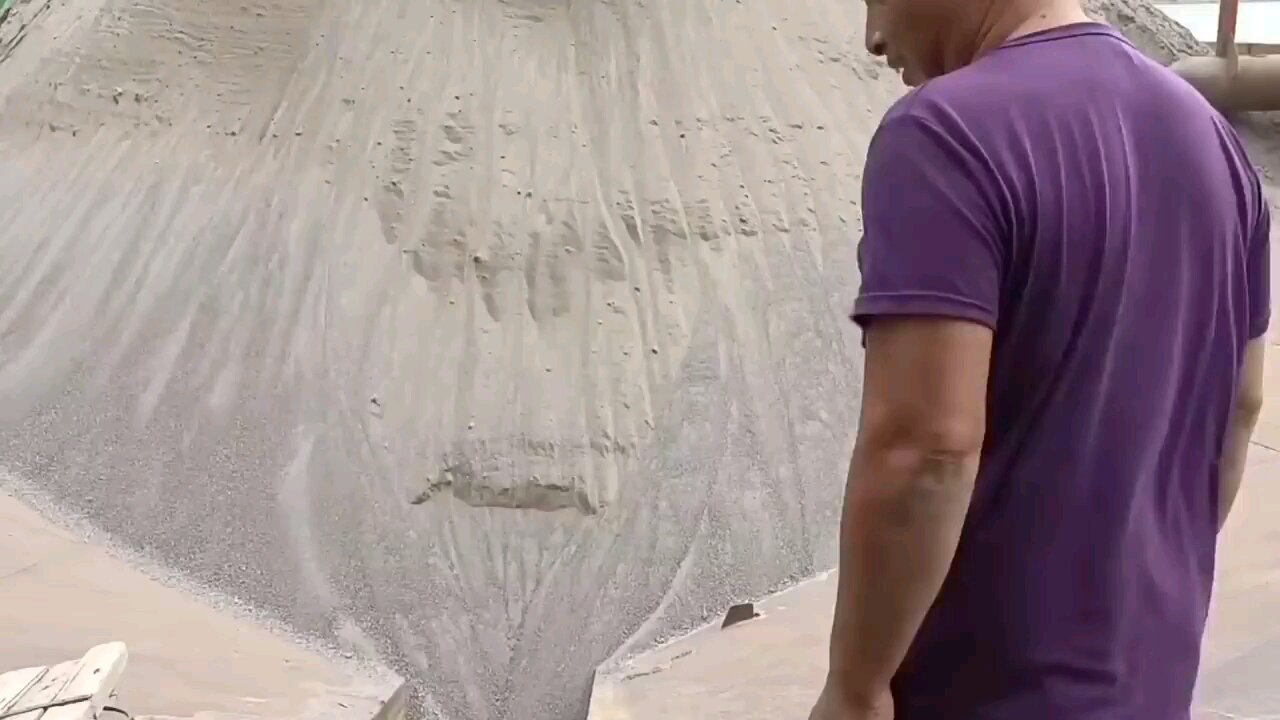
{"x":977,"y":89}
{"x":1037,"y":88}
{"x":940,"y":112}
{"x":926,"y":102}
{"x":1070,"y":68}
{"x":970,"y":98}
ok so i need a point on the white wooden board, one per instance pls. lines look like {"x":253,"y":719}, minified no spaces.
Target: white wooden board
{"x":73,"y":690}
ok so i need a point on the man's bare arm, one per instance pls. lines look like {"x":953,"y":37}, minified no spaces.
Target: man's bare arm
{"x":1244,"y":417}
{"x":910,"y":483}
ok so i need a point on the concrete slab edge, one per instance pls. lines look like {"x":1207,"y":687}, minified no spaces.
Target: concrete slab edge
{"x":603,"y":703}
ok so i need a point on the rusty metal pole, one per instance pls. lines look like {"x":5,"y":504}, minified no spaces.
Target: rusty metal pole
{"x":1228,"y":11}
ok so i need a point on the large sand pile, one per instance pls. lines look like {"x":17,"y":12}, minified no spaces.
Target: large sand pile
{"x":481,"y":338}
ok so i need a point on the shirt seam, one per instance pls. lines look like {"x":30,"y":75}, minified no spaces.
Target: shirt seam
{"x":922,"y":303}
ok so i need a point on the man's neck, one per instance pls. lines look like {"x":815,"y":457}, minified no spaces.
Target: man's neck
{"x":1025,"y":18}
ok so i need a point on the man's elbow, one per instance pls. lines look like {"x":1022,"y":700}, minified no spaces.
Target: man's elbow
{"x":924,"y":441}
{"x":1249,"y":405}
{"x":913,"y":473}
{"x":1247,"y":410}
{"x":961,"y":438}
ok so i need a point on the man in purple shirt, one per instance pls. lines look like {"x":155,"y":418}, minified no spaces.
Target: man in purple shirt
{"x":1064,"y":297}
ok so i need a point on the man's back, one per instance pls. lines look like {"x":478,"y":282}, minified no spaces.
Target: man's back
{"x":1119,"y":224}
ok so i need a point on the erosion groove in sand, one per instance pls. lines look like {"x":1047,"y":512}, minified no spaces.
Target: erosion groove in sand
{"x":469,"y":472}
{"x":479,"y":337}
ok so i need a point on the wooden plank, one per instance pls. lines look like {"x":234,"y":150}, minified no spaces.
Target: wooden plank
{"x":100,"y":670}
{"x":396,"y":707}
{"x":16,"y":682}
{"x":45,"y":691}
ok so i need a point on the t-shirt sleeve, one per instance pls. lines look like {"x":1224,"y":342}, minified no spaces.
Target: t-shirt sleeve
{"x":1258,"y":270}
{"x":931,"y":242}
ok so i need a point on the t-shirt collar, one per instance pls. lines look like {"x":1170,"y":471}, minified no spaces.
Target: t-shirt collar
{"x":1065,"y":31}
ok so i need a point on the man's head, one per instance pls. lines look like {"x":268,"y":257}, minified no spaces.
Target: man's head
{"x":927,"y":38}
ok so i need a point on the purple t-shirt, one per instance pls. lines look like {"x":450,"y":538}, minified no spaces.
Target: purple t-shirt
{"x":1104,"y":221}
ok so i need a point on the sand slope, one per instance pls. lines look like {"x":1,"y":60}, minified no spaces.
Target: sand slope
{"x":570,"y":276}
{"x":479,"y":338}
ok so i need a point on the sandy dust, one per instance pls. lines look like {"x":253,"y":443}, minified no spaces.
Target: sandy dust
{"x":480,"y":339}
{"x":61,"y":594}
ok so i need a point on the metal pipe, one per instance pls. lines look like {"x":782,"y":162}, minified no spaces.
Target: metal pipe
{"x":1229,"y":82}
{"x":1232,"y":85}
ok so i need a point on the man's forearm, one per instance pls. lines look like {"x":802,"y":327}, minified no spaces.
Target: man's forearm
{"x":1244,"y":417}
{"x":1235,"y":452}
{"x":903,"y":512}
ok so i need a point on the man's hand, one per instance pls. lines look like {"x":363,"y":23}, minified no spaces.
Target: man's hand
{"x":832,"y":705}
